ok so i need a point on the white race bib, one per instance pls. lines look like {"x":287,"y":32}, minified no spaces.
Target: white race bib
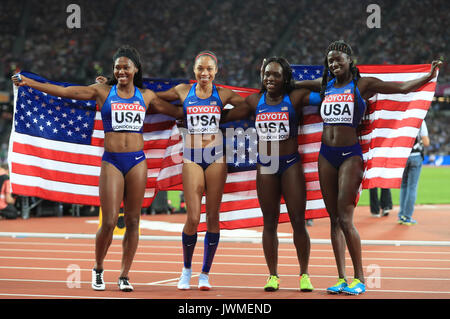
{"x":127,"y":116}
{"x":203,"y":119}
{"x":273,"y":126}
{"x":338,"y":109}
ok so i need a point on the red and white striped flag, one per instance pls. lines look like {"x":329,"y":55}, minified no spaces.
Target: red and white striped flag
{"x":392,"y":124}
{"x":388,"y":134}
{"x":56,"y":146}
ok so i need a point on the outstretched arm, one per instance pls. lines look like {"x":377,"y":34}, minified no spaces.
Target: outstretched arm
{"x":303,"y":97}
{"x":169,"y":95}
{"x":312,"y":85}
{"x":70,"y":92}
{"x":240,"y":111}
{"x":162,"y":106}
{"x":374,"y":85}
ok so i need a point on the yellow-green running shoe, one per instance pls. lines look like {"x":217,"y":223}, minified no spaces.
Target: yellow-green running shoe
{"x":305,"y":283}
{"x":273,"y":283}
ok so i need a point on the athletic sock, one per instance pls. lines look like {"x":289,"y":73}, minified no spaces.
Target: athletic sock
{"x":211,"y":243}
{"x":189,"y":242}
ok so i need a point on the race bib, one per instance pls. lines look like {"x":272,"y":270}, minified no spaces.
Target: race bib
{"x":127,"y":116}
{"x":337,"y":109}
{"x":272,"y":126}
{"x":203,"y":119}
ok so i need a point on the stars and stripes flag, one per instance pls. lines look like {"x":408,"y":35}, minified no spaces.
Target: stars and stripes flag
{"x":392,"y":123}
{"x":56,"y":146}
{"x":387,"y":135}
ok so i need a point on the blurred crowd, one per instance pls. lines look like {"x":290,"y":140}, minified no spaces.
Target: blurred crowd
{"x":437,"y":123}
{"x":168,"y":34}
{"x":35,"y":37}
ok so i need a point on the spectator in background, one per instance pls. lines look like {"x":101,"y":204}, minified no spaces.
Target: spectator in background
{"x":410,"y":179}
{"x":7,"y":201}
{"x":384,"y":202}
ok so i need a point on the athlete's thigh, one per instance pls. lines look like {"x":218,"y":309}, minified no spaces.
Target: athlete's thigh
{"x":350,"y":178}
{"x":193,"y":187}
{"x":294,"y":190}
{"x":111,"y":190}
{"x":215,"y":177}
{"x":268,"y":187}
{"x":135,"y":183}
{"x":328,"y":178}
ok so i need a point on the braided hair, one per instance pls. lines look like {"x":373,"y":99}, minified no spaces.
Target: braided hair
{"x":340,"y":46}
{"x":288,"y":84}
{"x":132,"y":54}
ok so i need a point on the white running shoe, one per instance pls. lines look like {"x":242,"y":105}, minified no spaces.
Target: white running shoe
{"x":203,"y":282}
{"x":97,"y":280}
{"x":183,"y":283}
{"x":124,"y":284}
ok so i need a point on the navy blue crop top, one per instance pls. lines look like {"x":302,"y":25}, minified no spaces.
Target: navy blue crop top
{"x":276,"y":122}
{"x":123,"y":115}
{"x":338,"y":107}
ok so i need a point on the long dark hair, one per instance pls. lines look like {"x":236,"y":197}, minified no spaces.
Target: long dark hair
{"x":340,"y":46}
{"x":132,"y":54}
{"x":288,"y":84}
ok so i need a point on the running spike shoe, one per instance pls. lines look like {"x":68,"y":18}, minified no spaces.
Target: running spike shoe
{"x":183,"y":283}
{"x":355,"y":288}
{"x":124,"y":284}
{"x":305,"y":283}
{"x":337,"y":288}
{"x":273,"y":283}
{"x":203,"y":282}
{"x":97,"y":280}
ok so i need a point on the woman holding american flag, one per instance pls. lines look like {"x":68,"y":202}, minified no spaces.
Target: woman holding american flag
{"x":278,"y":109}
{"x":204,"y":167}
{"x":343,"y":95}
{"x":123,"y":102}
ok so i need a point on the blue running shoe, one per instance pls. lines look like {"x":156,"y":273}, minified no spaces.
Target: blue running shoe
{"x":336,"y":289}
{"x":408,"y":221}
{"x":355,"y":288}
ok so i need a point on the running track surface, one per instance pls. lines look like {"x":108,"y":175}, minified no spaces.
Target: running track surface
{"x":399,"y":261}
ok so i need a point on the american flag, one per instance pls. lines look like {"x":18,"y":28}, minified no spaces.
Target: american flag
{"x":66,"y":168}
{"x":392,"y":123}
{"x":240,"y":206}
{"x":387,"y":135}
{"x":56,"y":145}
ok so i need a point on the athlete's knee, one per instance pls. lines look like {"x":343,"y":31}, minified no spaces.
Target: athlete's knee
{"x":334,"y":220}
{"x":197,"y":189}
{"x":108,"y":225}
{"x":212,"y":219}
{"x":270,"y":228}
{"x":132,"y":222}
{"x":346,"y":223}
{"x":192,"y":220}
{"x":297,"y":221}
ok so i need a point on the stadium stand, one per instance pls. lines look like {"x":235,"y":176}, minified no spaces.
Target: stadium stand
{"x":169,"y":33}
{"x":35,"y":37}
